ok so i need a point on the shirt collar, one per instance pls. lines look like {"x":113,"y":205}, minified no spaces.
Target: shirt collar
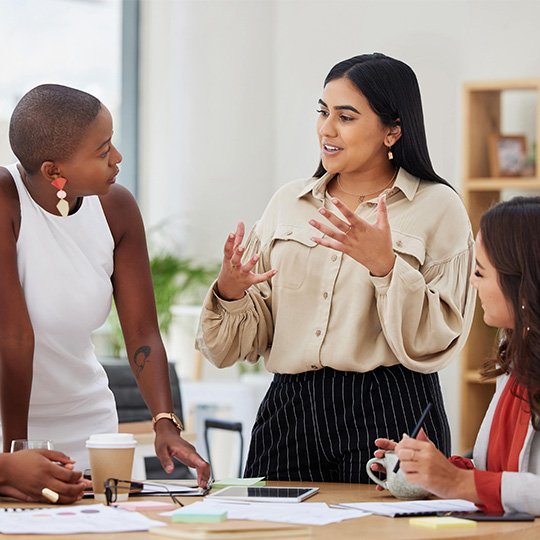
{"x":405,"y":182}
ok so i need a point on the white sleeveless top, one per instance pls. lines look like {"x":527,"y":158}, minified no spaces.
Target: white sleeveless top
{"x":65,"y":266}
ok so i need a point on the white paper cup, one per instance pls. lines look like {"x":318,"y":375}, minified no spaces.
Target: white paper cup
{"x":111,"y":456}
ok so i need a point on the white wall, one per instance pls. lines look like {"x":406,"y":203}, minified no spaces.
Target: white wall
{"x":207,"y":147}
{"x":230,"y":89}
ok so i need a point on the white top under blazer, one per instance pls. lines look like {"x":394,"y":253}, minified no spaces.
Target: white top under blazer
{"x":65,"y":266}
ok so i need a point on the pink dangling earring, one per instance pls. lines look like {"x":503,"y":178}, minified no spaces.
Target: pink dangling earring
{"x":390,"y":155}
{"x":63,"y":205}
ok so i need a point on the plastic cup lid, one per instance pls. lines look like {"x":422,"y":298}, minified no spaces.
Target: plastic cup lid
{"x":111,"y":440}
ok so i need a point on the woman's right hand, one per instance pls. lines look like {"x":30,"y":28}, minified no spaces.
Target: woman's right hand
{"x":25,"y":473}
{"x":235,"y":277}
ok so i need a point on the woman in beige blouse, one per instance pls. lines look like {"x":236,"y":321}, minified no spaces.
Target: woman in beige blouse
{"x":353,"y":286}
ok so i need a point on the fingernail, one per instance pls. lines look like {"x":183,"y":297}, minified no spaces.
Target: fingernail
{"x":169,"y":468}
{"x":322,"y":211}
{"x":231,"y":236}
{"x":240,"y":249}
{"x":312,"y":222}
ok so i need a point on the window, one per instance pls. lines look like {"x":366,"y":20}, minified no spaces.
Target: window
{"x":78,"y":43}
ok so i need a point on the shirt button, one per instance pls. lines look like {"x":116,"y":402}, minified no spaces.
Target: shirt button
{"x":399,"y":243}
{"x":325,"y":295}
{"x":314,"y":367}
{"x":334,"y":257}
{"x":318,"y":333}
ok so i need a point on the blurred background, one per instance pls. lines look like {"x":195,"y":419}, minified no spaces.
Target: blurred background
{"x":214,"y":104}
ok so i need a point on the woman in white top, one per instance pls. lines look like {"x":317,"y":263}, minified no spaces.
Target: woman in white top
{"x":70,"y":239}
{"x":354,"y":304}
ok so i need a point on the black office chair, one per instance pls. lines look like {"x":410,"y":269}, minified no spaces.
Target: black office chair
{"x":211,"y":423}
{"x":131,"y":407}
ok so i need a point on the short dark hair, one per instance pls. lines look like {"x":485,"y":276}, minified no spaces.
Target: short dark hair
{"x":49,"y":123}
{"x":509,"y":236}
{"x":392,"y":91}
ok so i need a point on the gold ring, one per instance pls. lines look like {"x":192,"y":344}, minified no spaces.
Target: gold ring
{"x":348,"y":230}
{"x":413,"y":454}
{"x":50,"y":494}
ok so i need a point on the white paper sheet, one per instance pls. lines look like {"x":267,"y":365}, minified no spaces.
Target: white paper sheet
{"x":178,"y":488}
{"x":298,"y":513}
{"x":94,"y":518}
{"x":423,"y":507}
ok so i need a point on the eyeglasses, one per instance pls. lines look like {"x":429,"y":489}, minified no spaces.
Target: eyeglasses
{"x":113,"y":485}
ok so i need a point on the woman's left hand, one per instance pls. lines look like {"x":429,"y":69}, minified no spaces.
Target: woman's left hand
{"x":370,"y":245}
{"x":424,"y":465}
{"x":169,"y":444}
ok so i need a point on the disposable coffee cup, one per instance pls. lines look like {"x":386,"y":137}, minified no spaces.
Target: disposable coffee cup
{"x":111,"y":456}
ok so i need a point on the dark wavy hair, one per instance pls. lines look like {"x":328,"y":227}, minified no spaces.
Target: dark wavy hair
{"x":392,"y":91}
{"x":510,"y":236}
{"x":49,"y":123}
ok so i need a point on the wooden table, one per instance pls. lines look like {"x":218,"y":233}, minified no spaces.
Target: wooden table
{"x":370,"y":527}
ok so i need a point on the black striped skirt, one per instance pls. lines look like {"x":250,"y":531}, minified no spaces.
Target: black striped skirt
{"x":321,"y":426}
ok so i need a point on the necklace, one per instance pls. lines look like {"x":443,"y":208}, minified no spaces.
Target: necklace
{"x":362,"y":197}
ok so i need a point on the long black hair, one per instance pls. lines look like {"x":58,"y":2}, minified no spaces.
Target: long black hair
{"x":391,"y":88}
{"x":509,"y":235}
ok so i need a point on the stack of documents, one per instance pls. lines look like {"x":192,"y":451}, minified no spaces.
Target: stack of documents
{"x":413,"y":508}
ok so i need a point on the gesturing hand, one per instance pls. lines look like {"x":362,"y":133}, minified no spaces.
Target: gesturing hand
{"x":370,"y":245}
{"x":234,"y":277}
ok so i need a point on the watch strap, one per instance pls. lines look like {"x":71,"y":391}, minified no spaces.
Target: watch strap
{"x":170,"y":416}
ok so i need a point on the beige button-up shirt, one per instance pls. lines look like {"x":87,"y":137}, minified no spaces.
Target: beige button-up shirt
{"x":323,"y":308}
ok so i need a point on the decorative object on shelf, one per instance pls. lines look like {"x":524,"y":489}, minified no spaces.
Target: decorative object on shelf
{"x":507,"y":155}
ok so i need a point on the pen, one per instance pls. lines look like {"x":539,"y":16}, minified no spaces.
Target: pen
{"x":416,"y":430}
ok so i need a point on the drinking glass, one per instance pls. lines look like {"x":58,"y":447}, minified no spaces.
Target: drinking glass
{"x":29,"y":444}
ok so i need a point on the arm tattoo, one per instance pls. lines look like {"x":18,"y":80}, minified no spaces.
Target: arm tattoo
{"x":141,"y":358}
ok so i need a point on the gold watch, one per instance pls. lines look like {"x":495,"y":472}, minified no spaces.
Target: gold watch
{"x":170,"y":416}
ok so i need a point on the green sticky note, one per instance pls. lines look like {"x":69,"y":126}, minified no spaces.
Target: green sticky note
{"x":200,"y":515}
{"x":239,"y":482}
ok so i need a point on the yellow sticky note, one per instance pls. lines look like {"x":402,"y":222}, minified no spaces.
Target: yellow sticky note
{"x":441,"y":522}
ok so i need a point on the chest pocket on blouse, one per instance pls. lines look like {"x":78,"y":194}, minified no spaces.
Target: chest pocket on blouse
{"x":410,"y":248}
{"x":291,"y":249}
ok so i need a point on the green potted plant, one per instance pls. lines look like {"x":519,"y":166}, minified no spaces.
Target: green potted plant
{"x":176,"y":280}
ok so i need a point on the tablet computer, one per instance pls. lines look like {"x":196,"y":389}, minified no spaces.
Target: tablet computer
{"x":263,"y":494}
{"x":491,"y":516}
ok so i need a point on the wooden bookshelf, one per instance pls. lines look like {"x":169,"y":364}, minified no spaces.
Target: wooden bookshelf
{"x":481,"y":117}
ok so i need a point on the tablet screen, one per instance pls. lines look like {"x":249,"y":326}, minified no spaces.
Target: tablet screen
{"x":264,"y":494}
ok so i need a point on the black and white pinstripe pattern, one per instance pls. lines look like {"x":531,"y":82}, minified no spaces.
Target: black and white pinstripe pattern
{"x":321,"y":426}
